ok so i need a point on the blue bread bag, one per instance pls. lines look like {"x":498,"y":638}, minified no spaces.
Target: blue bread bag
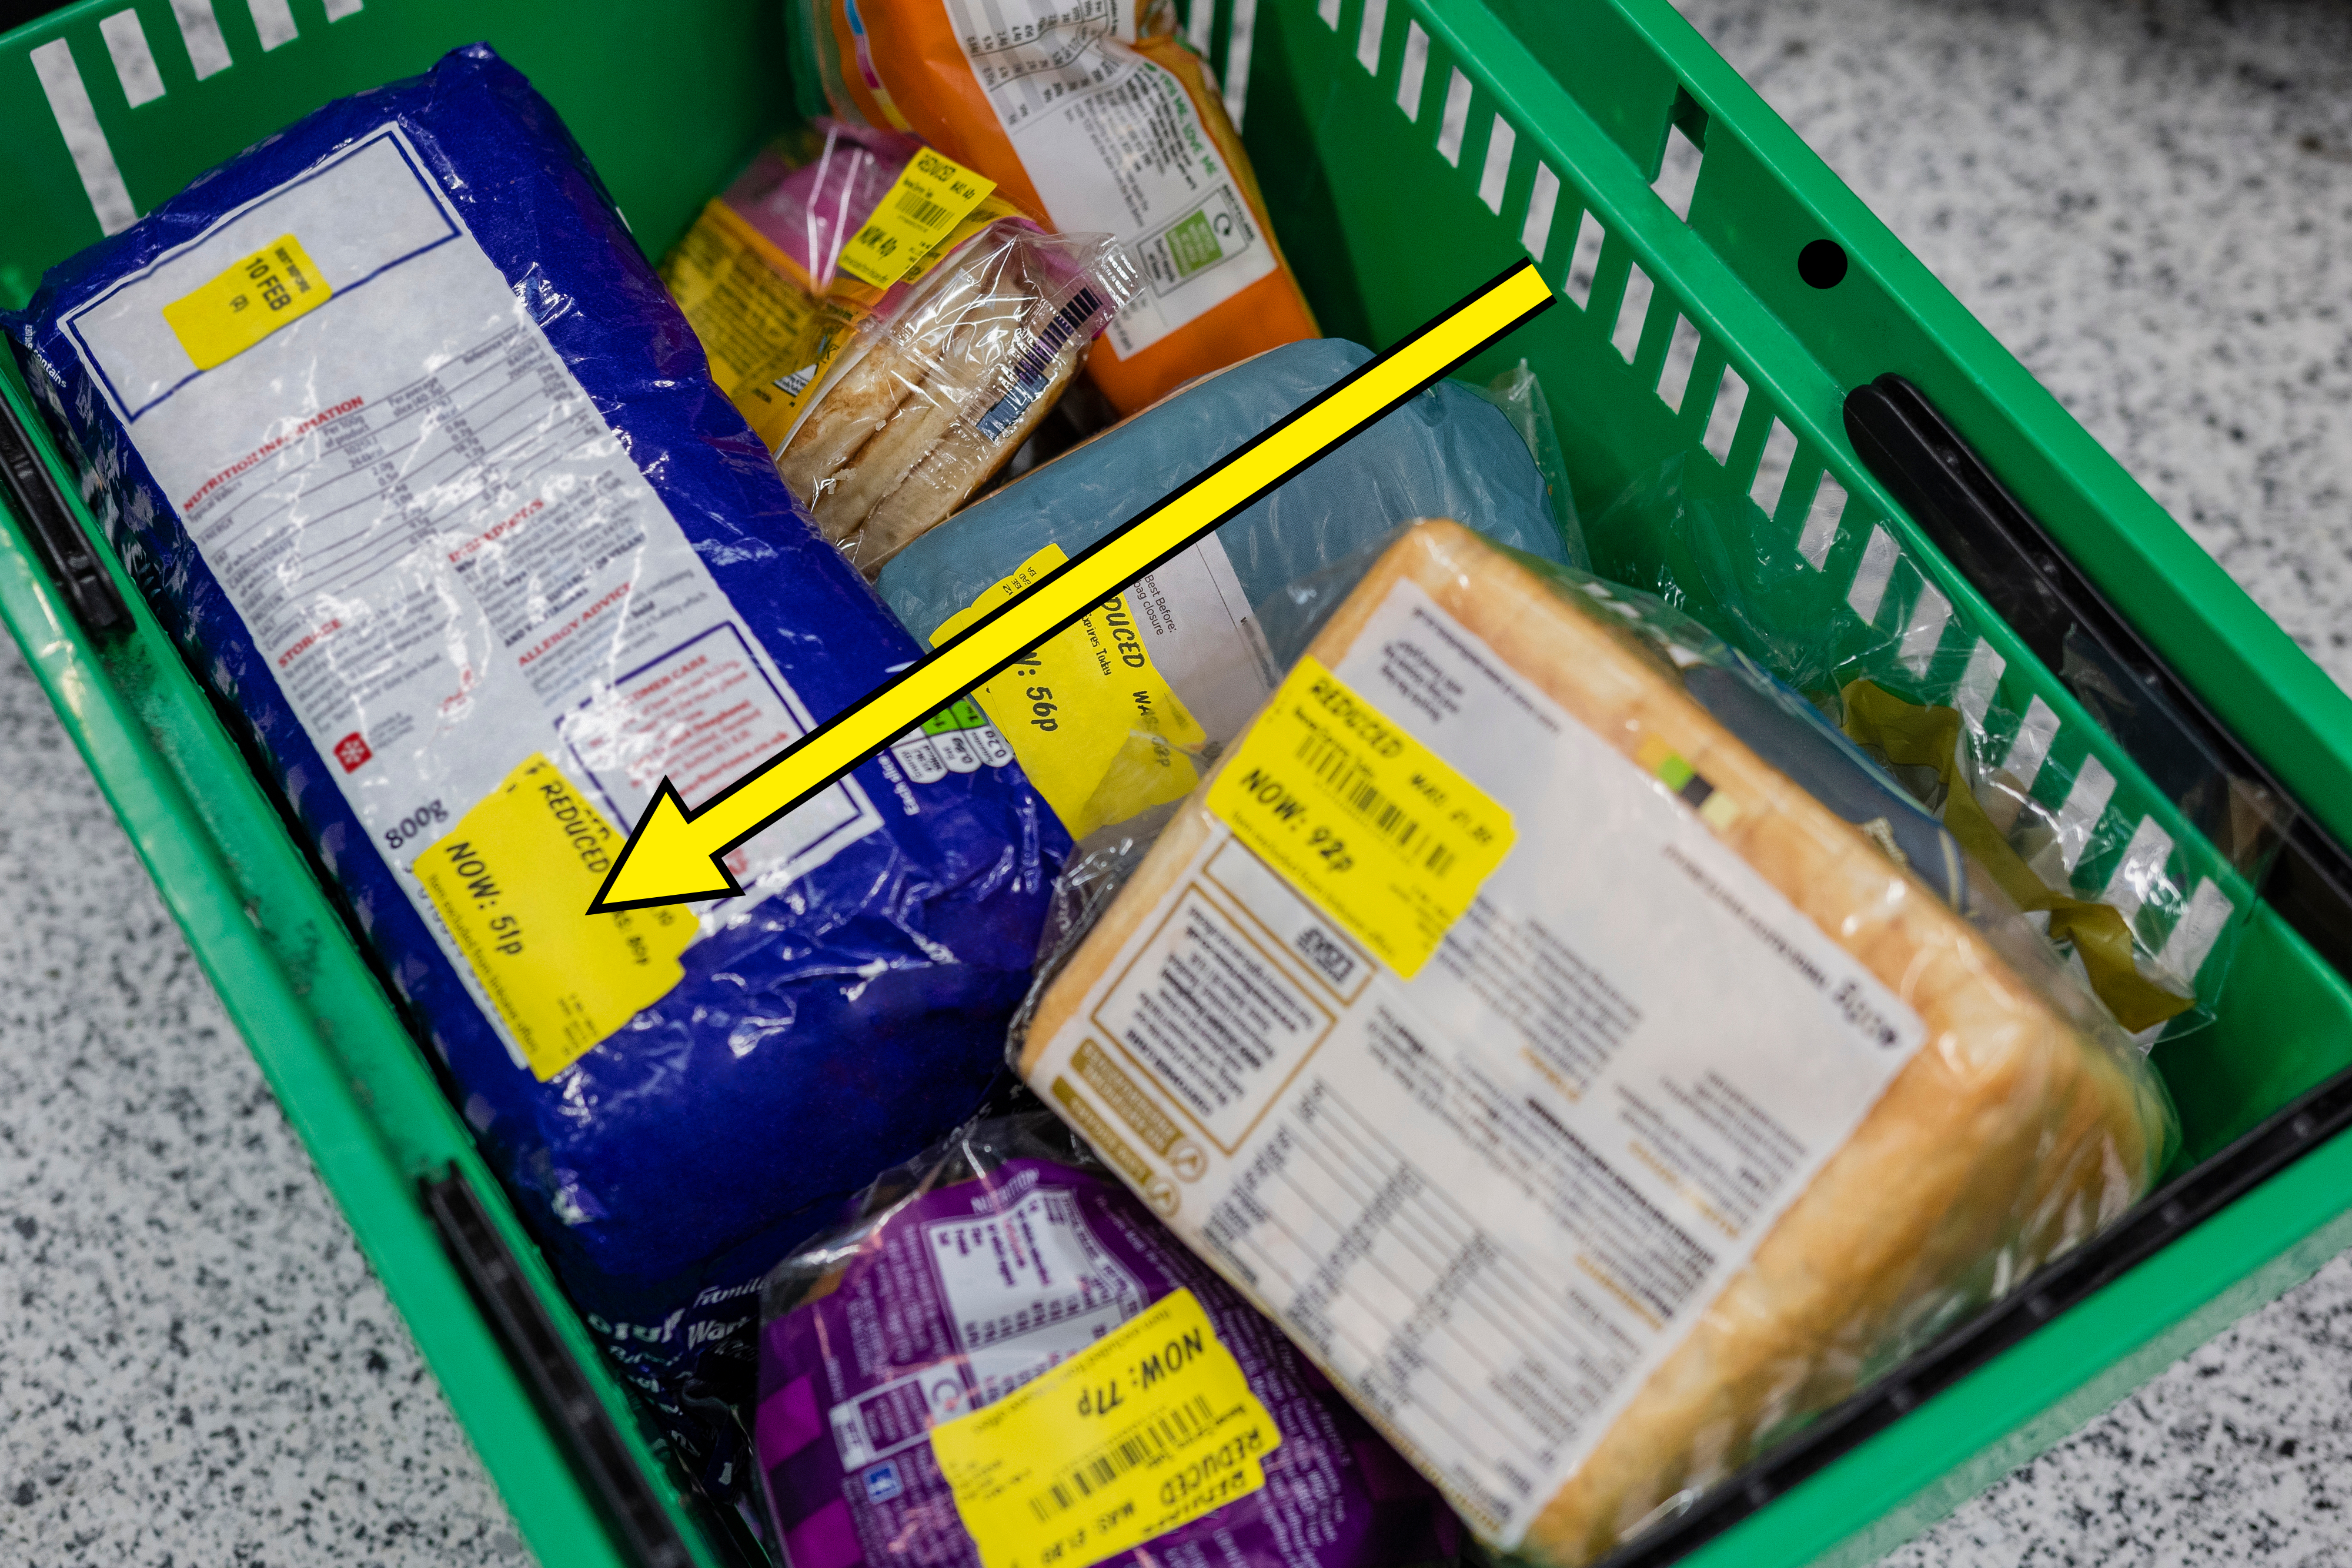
{"x":408,"y":447}
{"x":1111,"y":718}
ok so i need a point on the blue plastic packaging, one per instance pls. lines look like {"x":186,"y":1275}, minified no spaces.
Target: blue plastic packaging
{"x":1447,"y":454}
{"x":411,"y":451}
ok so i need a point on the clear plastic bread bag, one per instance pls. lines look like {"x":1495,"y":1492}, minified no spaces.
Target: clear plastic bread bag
{"x":892,"y":351}
{"x":1590,"y":1058}
{"x":1001,"y":1357}
{"x":2152,"y":931}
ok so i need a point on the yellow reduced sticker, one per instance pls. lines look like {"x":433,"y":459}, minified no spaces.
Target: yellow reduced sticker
{"x":1378,"y":830}
{"x":258,"y":295}
{"x":1150,"y":1428}
{"x":771,"y":342}
{"x":510,"y":881}
{"x":929,"y":199}
{"x":1097,"y":728}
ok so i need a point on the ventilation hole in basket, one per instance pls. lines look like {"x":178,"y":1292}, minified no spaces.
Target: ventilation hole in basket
{"x":1631,"y":312}
{"x":1535,"y":232}
{"x":1822,"y":522}
{"x":1772,"y":468}
{"x":1329,"y":11}
{"x":273,"y":22}
{"x":1368,"y":46}
{"x":1584,"y":263}
{"x":1923,"y":633}
{"x":1678,"y":172}
{"x":1415,"y":68}
{"x":338,"y":9}
{"x":1723,"y":420}
{"x":1456,"y":121}
{"x":1497,"y":172}
{"x":1682,"y":353}
{"x":2140,"y":873}
{"x":2085,"y":803}
{"x":2032,"y":747}
{"x":1822,"y":263}
{"x":134,"y":63}
{"x":2185,"y":949}
{"x":1239,"y":37}
{"x":1978,"y":684}
{"x":93,"y":159}
{"x":200,"y":30}
{"x":1868,"y":591}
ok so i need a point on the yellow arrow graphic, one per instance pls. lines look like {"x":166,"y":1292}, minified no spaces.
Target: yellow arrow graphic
{"x":675,"y":855}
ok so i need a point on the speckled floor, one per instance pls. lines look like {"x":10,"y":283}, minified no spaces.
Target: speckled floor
{"x":197,"y":1369}
{"x":2151,"y":202}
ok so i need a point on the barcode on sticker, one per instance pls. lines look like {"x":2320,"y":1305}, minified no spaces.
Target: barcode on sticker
{"x":1152,"y":1426}
{"x":922,"y":211}
{"x":1146,"y":1446}
{"x":1349,"y":780}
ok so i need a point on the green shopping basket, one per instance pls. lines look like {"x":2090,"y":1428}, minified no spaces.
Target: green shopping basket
{"x":1729,"y":300}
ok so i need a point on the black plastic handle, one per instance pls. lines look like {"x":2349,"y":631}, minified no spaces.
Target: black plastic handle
{"x":56,"y":538}
{"x":555,"y":1378}
{"x":2052,"y":603}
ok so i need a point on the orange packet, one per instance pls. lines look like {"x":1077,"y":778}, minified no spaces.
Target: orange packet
{"x":1094,"y":113}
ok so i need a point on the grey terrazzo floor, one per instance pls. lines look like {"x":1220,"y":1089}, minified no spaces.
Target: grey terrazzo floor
{"x":196,"y":1368}
{"x":2150,"y":203}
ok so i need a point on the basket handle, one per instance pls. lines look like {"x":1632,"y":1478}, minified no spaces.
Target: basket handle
{"x":2033,"y":584}
{"x":524,"y":1328}
{"x":56,"y":538}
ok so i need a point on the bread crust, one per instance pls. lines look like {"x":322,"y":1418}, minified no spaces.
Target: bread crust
{"x":2010,"y":1135}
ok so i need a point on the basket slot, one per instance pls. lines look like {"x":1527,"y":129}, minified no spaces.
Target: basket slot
{"x":1723,"y":419}
{"x":1370,"y":33}
{"x":1497,"y":173}
{"x":1678,"y":171}
{"x":1412,"y":70}
{"x":200,"y":31}
{"x":1455,"y":120}
{"x":1543,"y":202}
{"x":1931,"y":613}
{"x":1874,"y":574}
{"x":1633,"y":313}
{"x":272,"y":23}
{"x":1584,"y":264}
{"x":1682,"y":356}
{"x":134,"y":62}
{"x":1821,"y":530}
{"x":77,"y":117}
{"x":1772,"y":469}
{"x":1231,"y":58}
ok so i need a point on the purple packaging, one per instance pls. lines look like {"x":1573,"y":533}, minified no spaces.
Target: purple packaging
{"x":966,"y":1274}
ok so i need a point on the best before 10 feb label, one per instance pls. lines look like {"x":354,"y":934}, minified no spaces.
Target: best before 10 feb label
{"x":1150,"y":1428}
{"x":251,"y":297}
